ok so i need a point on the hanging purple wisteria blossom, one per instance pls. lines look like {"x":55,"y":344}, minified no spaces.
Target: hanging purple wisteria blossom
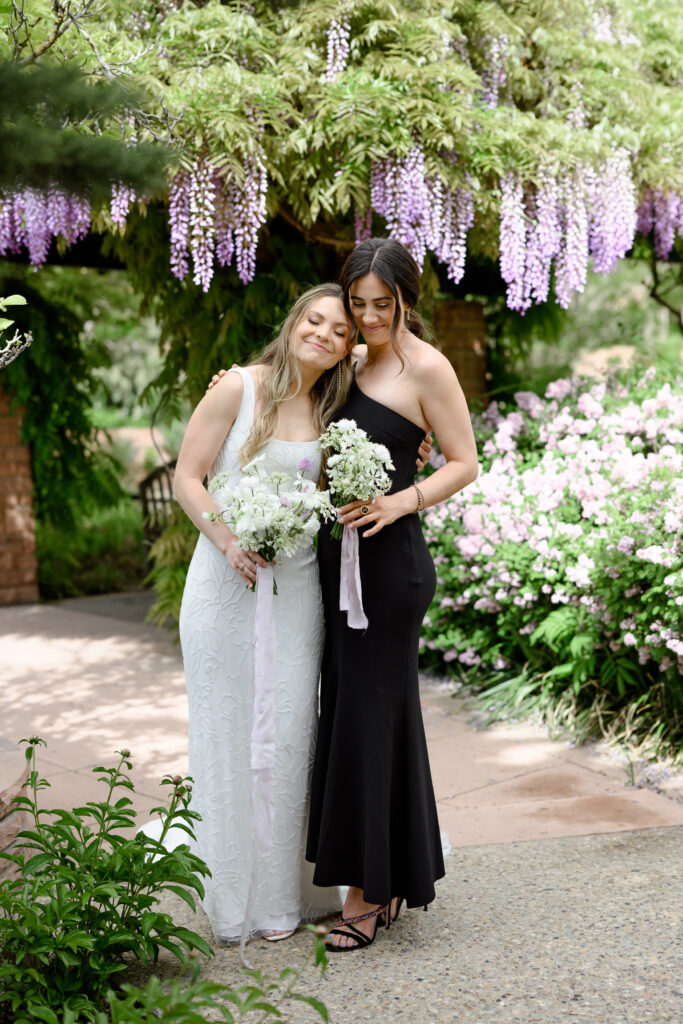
{"x":31,"y":218}
{"x":38,"y":234}
{"x":202,"y":222}
{"x":563,"y":220}
{"x":337,"y":48}
{"x":668,"y":212}
{"x":421,"y":212}
{"x":493,"y":76}
{"x":543,"y":237}
{"x":179,"y":223}
{"x":122,"y":198}
{"x":660,"y":214}
{"x":225,"y":220}
{"x":363,"y":224}
{"x":214,"y":216}
{"x":250,"y":214}
{"x":571,"y":265}
{"x":612,"y":211}
{"x":512,"y":239}
{"x":646,"y":213}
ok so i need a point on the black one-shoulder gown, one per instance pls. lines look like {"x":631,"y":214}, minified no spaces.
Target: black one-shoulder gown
{"x":373,"y":821}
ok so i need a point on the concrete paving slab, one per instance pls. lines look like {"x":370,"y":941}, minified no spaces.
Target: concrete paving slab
{"x":91,"y":678}
{"x":579,"y":930}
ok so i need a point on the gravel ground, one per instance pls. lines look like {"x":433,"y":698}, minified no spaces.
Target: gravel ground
{"x":583,"y":930}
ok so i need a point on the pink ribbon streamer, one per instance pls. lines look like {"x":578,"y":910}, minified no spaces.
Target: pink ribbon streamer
{"x":350,"y":592}
{"x":263,"y":719}
{"x":262,"y":742}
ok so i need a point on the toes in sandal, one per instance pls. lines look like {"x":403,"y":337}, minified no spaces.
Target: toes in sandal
{"x":346,"y":928}
{"x":272,"y":936}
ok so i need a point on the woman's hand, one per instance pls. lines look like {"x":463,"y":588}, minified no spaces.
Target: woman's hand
{"x":378,"y":513}
{"x":221,"y":373}
{"x":243,"y":562}
{"x":424,"y":451}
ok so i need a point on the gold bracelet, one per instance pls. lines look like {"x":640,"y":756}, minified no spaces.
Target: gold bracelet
{"x":420,"y":499}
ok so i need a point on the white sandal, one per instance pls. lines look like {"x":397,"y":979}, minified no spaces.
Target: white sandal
{"x":272,"y":936}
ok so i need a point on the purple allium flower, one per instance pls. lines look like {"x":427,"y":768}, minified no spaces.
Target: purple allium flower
{"x":304,"y":466}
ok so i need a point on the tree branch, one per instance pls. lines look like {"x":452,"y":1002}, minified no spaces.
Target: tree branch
{"x":310,"y":235}
{"x":58,"y":29}
{"x":657,"y":295}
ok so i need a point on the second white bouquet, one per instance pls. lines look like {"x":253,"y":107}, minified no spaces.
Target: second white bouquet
{"x":357,"y":471}
{"x":271,"y":513}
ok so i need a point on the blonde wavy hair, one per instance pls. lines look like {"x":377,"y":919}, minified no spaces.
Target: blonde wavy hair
{"x":327,"y":394}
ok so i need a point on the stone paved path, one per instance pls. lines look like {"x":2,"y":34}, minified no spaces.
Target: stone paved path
{"x":562,"y":890}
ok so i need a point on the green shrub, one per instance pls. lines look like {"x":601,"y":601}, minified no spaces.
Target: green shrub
{"x":560,"y":570}
{"x":102,"y":552}
{"x":171,"y":554}
{"x":85,"y":898}
{"x":261,"y":998}
{"x":84,"y":906}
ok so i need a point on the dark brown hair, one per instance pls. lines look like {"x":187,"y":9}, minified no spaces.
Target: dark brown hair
{"x":396,"y":268}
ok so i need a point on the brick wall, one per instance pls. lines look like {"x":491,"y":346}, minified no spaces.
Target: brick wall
{"x":18,"y":567}
{"x":460,"y":333}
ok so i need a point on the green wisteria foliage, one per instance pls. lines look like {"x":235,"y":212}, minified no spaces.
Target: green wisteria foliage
{"x":529,"y":130}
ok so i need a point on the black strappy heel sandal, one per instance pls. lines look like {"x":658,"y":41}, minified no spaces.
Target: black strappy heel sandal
{"x":360,"y":939}
{"x":399,"y":903}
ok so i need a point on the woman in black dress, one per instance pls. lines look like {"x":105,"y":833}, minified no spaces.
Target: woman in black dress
{"x":373,"y":820}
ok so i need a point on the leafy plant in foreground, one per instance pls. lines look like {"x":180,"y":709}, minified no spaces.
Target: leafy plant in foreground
{"x":85,"y":898}
{"x":260,"y":999}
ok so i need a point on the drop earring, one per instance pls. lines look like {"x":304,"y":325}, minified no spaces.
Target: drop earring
{"x":339,"y":376}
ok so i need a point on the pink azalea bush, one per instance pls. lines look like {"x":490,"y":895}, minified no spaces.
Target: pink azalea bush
{"x":560,"y":570}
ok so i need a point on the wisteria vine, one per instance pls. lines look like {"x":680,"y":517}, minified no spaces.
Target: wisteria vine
{"x":565,"y":218}
{"x":421,"y":211}
{"x":549,"y":228}
{"x":337,"y":48}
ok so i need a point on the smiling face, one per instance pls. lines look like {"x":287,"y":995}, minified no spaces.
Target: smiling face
{"x":322,"y":336}
{"x":373,"y":307}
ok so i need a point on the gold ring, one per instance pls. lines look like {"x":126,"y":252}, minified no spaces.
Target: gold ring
{"x":364,"y":510}
{"x":243,"y":567}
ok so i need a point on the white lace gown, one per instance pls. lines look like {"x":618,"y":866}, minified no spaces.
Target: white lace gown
{"x":216,"y":632}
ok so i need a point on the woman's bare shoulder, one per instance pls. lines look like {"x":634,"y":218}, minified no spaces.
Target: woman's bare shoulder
{"x":429,"y":363}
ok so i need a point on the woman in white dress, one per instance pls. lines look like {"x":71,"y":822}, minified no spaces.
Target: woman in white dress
{"x":276,"y":408}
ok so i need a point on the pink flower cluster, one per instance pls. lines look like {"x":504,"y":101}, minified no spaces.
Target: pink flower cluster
{"x":579,"y":504}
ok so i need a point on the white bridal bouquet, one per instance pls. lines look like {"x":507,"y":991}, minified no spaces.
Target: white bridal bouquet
{"x":270,"y":513}
{"x":357,"y":469}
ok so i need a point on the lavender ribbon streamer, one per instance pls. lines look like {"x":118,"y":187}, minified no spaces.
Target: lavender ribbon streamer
{"x":262,"y":740}
{"x":263,"y":719}
{"x":350,"y":592}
